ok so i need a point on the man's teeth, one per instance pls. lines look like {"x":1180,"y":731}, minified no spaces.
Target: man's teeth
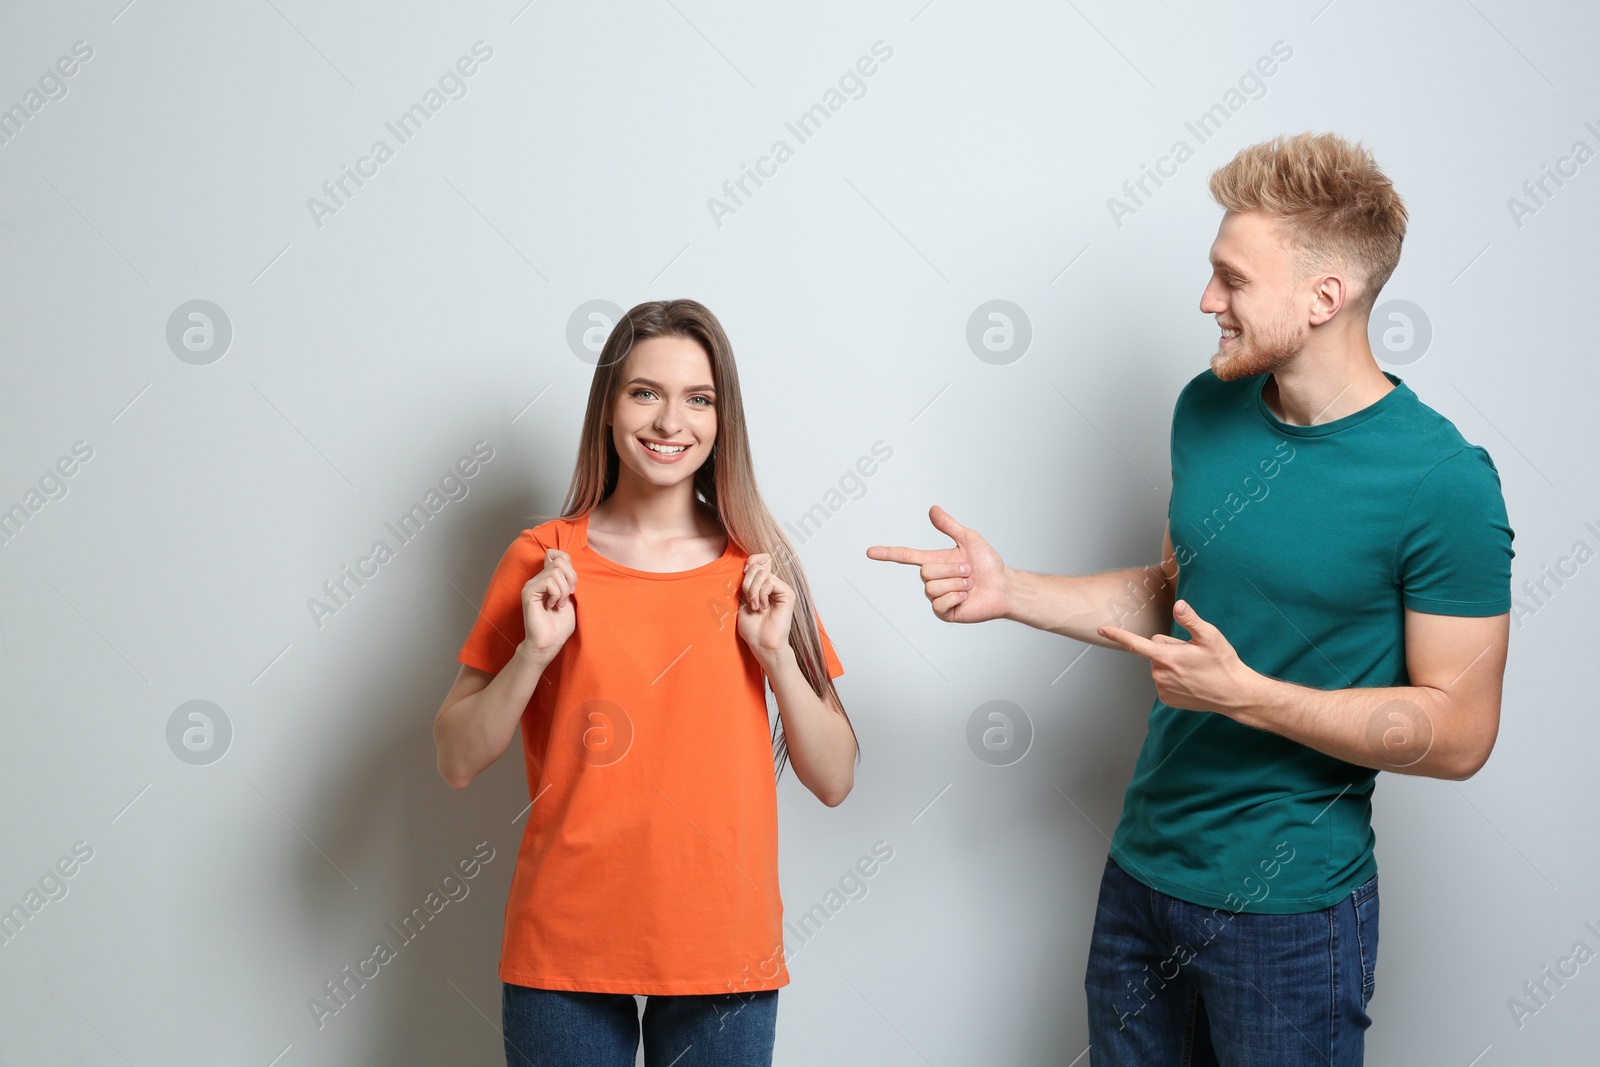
{"x":1226,"y":332}
{"x":670,"y":450}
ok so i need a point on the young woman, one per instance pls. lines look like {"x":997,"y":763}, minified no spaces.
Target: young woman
{"x":632,"y":638}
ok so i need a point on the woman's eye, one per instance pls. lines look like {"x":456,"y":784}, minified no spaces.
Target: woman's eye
{"x":707,"y":400}
{"x":636,"y":392}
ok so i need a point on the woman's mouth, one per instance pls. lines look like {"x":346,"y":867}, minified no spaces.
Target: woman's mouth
{"x":665,"y":451}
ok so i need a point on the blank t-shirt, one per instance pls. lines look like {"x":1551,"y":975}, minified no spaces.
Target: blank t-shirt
{"x":649,"y":863}
{"x":1303,"y":545}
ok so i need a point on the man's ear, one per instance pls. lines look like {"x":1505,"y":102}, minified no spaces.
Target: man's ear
{"x":1330,"y":297}
{"x":1335,"y":293}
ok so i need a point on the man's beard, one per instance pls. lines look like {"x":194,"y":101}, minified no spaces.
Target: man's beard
{"x":1261,"y":352}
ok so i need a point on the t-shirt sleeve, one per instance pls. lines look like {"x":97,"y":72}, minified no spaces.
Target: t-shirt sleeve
{"x":829,"y":657}
{"x":498,"y":629}
{"x":1454,"y":555}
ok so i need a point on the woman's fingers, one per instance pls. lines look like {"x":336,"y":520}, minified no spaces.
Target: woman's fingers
{"x":766,"y":584}
{"x":760,"y":583}
{"x":559,"y":575}
{"x":555,"y":559}
{"x":751,"y":580}
{"x":554,"y":584}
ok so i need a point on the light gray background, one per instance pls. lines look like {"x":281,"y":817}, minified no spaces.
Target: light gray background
{"x":431,"y":311}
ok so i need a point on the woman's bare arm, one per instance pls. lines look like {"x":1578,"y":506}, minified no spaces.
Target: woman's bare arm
{"x":479,"y":716}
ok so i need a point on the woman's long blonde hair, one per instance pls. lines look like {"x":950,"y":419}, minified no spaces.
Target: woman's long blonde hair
{"x":726,"y":481}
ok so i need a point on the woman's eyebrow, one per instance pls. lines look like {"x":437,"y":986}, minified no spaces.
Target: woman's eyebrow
{"x":658,"y":387}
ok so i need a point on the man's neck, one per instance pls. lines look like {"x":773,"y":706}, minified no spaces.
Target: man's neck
{"x":1309,"y":394}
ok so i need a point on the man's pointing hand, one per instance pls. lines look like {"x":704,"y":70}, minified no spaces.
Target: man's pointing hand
{"x":967,"y":583}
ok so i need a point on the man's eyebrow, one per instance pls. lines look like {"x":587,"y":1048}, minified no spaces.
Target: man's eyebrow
{"x":1223,"y":264}
{"x":658,"y":387}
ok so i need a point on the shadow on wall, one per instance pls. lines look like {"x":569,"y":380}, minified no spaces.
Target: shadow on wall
{"x":414,"y":979}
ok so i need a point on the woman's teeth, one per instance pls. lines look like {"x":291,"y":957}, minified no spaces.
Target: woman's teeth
{"x":666,"y":450}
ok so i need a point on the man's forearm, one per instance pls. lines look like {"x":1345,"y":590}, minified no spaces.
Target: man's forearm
{"x":1138,"y":599}
{"x":1407,"y":729}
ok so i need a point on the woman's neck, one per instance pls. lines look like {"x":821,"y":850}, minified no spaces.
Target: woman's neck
{"x":657,"y":511}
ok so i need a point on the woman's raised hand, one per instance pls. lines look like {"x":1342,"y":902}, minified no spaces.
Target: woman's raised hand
{"x":966,"y":583}
{"x":766,"y":606}
{"x":548,"y":615}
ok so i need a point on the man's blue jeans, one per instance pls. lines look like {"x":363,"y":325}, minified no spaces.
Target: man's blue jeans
{"x":557,"y":1028}
{"x":1175,"y":983}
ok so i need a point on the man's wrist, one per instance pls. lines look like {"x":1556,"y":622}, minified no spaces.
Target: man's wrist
{"x":1257,"y":698}
{"x":1012,"y":583}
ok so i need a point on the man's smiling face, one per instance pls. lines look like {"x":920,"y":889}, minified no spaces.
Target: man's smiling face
{"x":1253,"y":292}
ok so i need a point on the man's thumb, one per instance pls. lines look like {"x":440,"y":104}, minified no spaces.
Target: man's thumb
{"x":947,"y":524}
{"x":1187,"y":618}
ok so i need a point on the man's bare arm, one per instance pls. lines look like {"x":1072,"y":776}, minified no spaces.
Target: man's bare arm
{"x":1442,"y":725}
{"x":970,"y":583}
{"x":1137,"y":599}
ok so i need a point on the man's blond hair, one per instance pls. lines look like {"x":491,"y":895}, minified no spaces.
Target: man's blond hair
{"x":1337,"y":208}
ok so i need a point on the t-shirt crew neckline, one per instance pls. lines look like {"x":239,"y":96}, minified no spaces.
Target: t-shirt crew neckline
{"x":1322,"y":429}
{"x":583,"y":545}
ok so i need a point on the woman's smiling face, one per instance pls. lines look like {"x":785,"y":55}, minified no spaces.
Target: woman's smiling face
{"x":664,"y":416}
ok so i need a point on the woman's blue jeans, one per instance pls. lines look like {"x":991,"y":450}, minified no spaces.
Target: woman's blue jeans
{"x":1174,"y":983}
{"x":558,"y":1028}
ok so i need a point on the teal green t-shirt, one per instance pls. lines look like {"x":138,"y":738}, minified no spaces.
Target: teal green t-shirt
{"x":1303,"y":545}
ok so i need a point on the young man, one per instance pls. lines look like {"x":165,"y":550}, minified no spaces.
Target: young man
{"x":1343,"y":557}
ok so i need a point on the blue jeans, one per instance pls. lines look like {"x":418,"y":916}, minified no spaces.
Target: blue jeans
{"x":1175,"y":983}
{"x":557,"y":1028}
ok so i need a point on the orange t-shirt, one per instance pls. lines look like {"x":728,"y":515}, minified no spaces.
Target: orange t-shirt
{"x":649,"y":863}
